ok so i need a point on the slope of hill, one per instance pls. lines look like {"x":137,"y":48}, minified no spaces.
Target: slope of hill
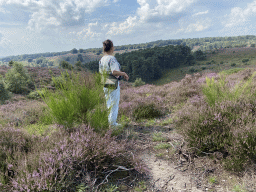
{"x":204,"y":44}
{"x":195,"y":146}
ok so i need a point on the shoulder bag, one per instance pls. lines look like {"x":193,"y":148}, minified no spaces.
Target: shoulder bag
{"x":111,"y":81}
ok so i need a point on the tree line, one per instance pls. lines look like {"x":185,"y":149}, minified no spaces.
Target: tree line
{"x":204,"y":44}
{"x":150,"y":64}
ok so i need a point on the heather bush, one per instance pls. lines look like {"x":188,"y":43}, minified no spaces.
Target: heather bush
{"x":81,"y":158}
{"x":225,"y":124}
{"x":138,"y":82}
{"x":13,"y":145}
{"x":143,"y":111}
{"x":17,"y":80}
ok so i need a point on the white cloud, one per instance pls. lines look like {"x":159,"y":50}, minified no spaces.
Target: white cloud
{"x":190,"y":25}
{"x":201,"y":13}
{"x":90,"y":31}
{"x":123,"y":28}
{"x":239,"y":16}
{"x":150,"y":10}
{"x":2,"y":10}
{"x":198,"y":26}
{"x":56,"y":13}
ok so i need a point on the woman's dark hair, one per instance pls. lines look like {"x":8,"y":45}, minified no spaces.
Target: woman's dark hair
{"x":107,"y":45}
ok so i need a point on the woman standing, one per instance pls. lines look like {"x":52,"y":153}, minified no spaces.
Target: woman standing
{"x":112,"y":96}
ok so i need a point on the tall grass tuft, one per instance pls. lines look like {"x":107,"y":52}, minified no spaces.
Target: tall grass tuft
{"x":78,"y":101}
{"x":217,"y":92}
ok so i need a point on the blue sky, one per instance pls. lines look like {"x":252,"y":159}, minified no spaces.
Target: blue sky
{"x":38,"y":26}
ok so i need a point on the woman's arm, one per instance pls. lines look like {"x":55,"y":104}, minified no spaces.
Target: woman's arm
{"x":118,"y":73}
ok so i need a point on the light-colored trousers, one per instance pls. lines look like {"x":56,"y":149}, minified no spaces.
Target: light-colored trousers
{"x":112,"y":100}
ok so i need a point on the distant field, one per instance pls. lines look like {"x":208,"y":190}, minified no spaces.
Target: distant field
{"x":213,"y":64}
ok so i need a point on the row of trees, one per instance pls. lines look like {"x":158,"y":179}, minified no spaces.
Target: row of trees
{"x":207,"y":43}
{"x":149,"y":64}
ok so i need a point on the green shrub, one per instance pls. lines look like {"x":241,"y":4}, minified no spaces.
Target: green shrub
{"x":98,"y":119}
{"x":212,"y":61}
{"x":35,"y":94}
{"x":203,"y":68}
{"x":221,"y":62}
{"x":146,"y":112}
{"x":210,"y":130}
{"x":17,"y":80}
{"x":192,"y":70}
{"x":216,"y":92}
{"x":79,"y":103}
{"x":59,"y":81}
{"x":245,"y":60}
{"x":138,"y":82}
{"x":233,"y":64}
{"x":231,"y":71}
{"x":4,"y":94}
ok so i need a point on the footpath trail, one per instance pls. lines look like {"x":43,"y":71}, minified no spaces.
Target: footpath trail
{"x":175,"y":169}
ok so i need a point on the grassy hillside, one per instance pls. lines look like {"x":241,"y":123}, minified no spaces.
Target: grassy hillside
{"x":223,"y":59}
{"x":204,"y":128}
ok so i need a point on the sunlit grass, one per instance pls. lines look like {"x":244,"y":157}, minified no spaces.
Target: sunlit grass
{"x":212,"y":180}
{"x":158,"y":137}
{"x":163,"y":146}
{"x":166,"y":122}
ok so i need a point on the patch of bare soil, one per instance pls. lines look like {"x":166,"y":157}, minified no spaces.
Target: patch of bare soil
{"x":177,"y":168}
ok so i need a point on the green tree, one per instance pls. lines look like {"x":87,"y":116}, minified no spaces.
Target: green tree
{"x":135,"y":69}
{"x":199,"y":55}
{"x":65,"y":65}
{"x":80,"y":58}
{"x":4,"y":94}
{"x":50,"y":63}
{"x":40,"y":60}
{"x":11,"y":63}
{"x":17,"y":80}
{"x":78,"y":64}
{"x":74,"y":51}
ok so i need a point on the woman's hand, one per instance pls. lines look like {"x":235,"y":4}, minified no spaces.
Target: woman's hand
{"x":126,"y":76}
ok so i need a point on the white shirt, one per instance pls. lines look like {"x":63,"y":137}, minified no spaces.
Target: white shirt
{"x":113,"y":65}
